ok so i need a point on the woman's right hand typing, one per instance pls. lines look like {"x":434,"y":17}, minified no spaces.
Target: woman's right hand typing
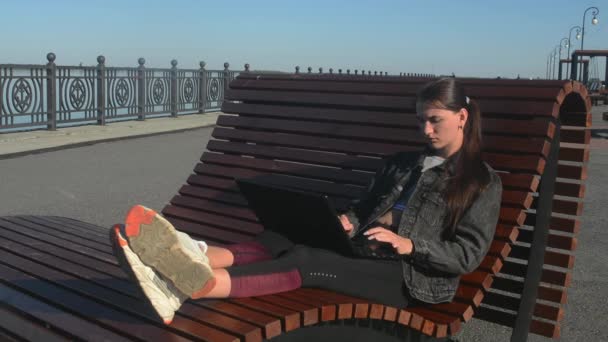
{"x":348,"y":227}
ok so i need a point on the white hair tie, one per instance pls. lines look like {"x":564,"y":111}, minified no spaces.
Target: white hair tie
{"x":466,"y":99}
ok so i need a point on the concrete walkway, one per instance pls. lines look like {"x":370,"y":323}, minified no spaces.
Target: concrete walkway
{"x":31,"y":142}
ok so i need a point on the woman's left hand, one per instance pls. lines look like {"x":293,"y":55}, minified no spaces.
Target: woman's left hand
{"x":400,"y":244}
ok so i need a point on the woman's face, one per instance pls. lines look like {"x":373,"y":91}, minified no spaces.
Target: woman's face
{"x":443,"y":128}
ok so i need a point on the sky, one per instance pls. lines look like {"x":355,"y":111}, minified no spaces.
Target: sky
{"x":467,"y":37}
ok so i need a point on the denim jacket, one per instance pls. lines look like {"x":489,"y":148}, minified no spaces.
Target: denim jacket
{"x":432,"y":272}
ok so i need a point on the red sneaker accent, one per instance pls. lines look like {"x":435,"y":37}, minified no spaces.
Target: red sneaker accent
{"x":206,"y":289}
{"x":121,"y":242}
{"x":135,"y":217}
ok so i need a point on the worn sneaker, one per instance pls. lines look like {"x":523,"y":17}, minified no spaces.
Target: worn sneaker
{"x":161,"y":294}
{"x":173,"y":254}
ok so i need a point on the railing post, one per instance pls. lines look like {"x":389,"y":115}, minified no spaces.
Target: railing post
{"x":202,"y":94}
{"x":573,"y":66}
{"x":174,"y":100}
{"x":586,"y":72}
{"x":226,"y":80}
{"x":534,"y":268}
{"x":101,"y":90}
{"x":51,"y":92}
{"x":141,"y":89}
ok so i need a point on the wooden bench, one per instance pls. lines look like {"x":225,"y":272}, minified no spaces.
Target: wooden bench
{"x":326,"y":133}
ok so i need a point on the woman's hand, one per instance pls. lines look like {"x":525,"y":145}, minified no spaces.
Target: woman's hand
{"x":400,"y":244}
{"x":348,"y":227}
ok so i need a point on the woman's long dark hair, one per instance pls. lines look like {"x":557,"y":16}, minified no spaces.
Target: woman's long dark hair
{"x":469,"y":176}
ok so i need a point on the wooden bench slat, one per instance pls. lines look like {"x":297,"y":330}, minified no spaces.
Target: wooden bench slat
{"x":290,"y":319}
{"x":353,"y":162}
{"x":87,"y":308}
{"x":77,"y":228}
{"x":562,"y":224}
{"x":574,"y":154}
{"x":315,"y":98}
{"x":567,"y":243}
{"x":58,"y":238}
{"x":50,"y":318}
{"x":309,"y":313}
{"x":231,"y":224}
{"x":19,"y":235}
{"x":537,"y":127}
{"x":242,"y":213}
{"x":527,"y":182}
{"x":296,"y":155}
{"x":508,"y":319}
{"x":227,"y":186}
{"x":92,"y":287}
{"x":521,"y":107}
{"x":575,"y":136}
{"x":207,"y":232}
{"x":393,"y":88}
{"x":244,"y":330}
{"x":271,"y":326}
{"x":572,"y":207}
{"x":18,"y":327}
{"x":570,"y":189}
{"x":550,"y":294}
{"x":572,"y":172}
{"x":369,"y":148}
{"x":548,"y":276}
{"x":506,"y":233}
{"x":512,"y":303}
{"x":410,"y":136}
{"x":290,"y":168}
{"x":551,"y":258}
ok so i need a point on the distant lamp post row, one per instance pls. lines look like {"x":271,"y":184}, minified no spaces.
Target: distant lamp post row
{"x":567,"y":43}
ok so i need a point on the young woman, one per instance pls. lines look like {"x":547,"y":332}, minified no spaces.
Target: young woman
{"x":436,"y":208}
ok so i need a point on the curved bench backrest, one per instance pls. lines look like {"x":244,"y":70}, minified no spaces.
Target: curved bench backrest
{"x":329,"y":133}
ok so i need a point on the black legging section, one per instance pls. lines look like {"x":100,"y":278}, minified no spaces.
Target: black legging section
{"x":373,"y":279}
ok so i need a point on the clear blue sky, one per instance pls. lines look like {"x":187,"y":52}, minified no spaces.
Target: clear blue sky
{"x":470,"y":38}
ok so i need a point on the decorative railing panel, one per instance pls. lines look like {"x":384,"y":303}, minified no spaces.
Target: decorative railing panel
{"x":22,"y":95}
{"x":76,"y":94}
{"x":121,"y":93}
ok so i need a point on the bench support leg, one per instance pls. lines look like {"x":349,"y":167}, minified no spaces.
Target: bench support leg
{"x":539,"y":243}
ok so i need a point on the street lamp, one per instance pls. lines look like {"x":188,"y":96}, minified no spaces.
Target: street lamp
{"x":578,"y":36}
{"x":555,"y":50}
{"x":594,"y":21}
{"x":566,"y":42}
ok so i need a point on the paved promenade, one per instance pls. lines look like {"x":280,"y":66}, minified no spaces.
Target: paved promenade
{"x":23,"y":143}
{"x":98,"y":182}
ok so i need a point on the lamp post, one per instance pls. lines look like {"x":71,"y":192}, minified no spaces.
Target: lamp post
{"x":559,"y":58}
{"x":555,"y":58}
{"x":578,"y":36}
{"x":548,"y":67}
{"x":594,"y":21}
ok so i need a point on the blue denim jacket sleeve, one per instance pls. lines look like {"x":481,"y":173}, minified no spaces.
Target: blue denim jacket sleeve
{"x":473,"y":236}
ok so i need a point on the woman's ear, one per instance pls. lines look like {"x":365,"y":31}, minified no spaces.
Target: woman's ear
{"x":463,"y":115}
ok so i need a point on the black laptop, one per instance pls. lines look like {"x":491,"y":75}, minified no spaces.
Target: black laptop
{"x":308,"y":218}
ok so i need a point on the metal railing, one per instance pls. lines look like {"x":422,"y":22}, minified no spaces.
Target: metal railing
{"x":50,"y":96}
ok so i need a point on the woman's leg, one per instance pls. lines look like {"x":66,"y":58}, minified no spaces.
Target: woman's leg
{"x":260,"y":278}
{"x":265,"y":246}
